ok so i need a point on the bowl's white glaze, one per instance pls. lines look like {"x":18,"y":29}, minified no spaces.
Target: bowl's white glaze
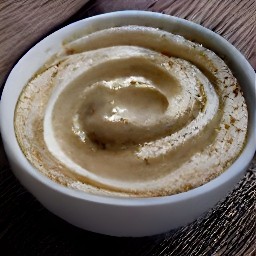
{"x":124,"y":216}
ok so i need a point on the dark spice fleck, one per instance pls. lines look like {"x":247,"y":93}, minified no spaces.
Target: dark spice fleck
{"x":235,"y":91}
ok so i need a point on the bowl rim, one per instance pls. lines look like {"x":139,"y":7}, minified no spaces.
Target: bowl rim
{"x":237,"y":167}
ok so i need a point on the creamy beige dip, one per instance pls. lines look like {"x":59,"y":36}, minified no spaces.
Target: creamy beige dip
{"x":132,"y":111}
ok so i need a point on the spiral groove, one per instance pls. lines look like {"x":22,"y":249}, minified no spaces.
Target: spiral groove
{"x":140,"y":112}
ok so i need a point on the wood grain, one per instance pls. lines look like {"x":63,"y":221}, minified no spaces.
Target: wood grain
{"x":235,"y":20}
{"x":24,"y":22}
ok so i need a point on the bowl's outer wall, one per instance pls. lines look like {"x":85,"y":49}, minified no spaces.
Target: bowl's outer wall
{"x":118,"y":220}
{"x":124,"y":217}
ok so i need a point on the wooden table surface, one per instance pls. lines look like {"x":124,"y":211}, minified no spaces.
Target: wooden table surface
{"x":27,"y":228}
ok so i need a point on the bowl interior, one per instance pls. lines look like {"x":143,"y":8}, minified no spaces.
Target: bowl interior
{"x":41,"y":52}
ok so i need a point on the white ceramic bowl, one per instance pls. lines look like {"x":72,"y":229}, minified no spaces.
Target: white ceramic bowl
{"x":124,"y":216}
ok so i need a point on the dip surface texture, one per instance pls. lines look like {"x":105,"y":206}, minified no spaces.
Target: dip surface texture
{"x":132,"y":111}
